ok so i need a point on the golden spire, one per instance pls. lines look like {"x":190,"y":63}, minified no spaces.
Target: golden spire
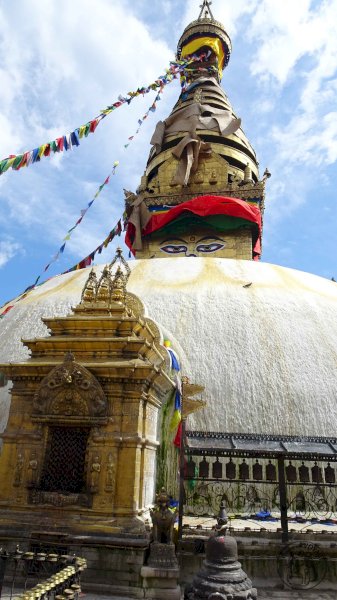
{"x":119,"y":258}
{"x":199,"y":151}
{"x":208,"y":29}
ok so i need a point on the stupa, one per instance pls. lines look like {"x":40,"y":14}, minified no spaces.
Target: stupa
{"x":260,"y":339}
{"x":249,"y":331}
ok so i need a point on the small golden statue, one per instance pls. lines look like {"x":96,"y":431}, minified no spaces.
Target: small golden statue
{"x":110,"y":477}
{"x":33,"y":469}
{"x":95,"y":473}
{"x":18,"y":470}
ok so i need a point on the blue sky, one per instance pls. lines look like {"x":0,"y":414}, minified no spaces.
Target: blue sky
{"x":61,"y":62}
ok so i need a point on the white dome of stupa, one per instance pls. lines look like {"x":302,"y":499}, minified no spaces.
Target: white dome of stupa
{"x":262,"y":339}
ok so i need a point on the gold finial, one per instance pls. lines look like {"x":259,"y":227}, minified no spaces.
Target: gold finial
{"x":206,"y":10}
{"x":121,"y":260}
{"x":104,"y":286}
{"x":118,"y":287}
{"x":90,"y":288}
{"x":120,"y":278}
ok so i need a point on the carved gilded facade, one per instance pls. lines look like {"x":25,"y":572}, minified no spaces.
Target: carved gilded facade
{"x":82,"y":430}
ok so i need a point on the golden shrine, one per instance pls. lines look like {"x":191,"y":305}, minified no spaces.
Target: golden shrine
{"x":82,"y":432}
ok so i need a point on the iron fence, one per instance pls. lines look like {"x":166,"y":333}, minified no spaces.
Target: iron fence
{"x":261,"y":477}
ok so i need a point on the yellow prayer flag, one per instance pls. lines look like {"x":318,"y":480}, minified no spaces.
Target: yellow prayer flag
{"x":176,"y":418}
{"x":214,"y":43}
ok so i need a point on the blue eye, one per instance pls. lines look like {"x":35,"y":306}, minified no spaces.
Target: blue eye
{"x":174,"y":249}
{"x":209,"y":247}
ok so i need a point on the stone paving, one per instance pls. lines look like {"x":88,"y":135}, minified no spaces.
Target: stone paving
{"x":263,"y":594}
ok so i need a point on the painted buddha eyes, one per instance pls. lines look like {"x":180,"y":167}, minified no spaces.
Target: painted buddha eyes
{"x":174,"y":249}
{"x":209,"y":247}
{"x":187,"y":249}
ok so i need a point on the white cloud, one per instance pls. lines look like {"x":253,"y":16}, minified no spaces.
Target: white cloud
{"x":308,"y":140}
{"x":308,"y":133}
{"x":61,"y":63}
{"x":228,"y":13}
{"x":8,"y":250}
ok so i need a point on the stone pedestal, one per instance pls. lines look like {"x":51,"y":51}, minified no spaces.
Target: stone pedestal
{"x":161,"y":584}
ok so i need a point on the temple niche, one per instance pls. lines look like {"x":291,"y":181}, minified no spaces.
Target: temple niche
{"x":79,"y":450}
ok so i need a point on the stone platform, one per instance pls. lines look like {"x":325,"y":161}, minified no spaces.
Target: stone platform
{"x":263,"y":526}
{"x":263,"y":594}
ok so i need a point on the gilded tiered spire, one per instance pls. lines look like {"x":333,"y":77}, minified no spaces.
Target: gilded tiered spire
{"x":199,"y":156}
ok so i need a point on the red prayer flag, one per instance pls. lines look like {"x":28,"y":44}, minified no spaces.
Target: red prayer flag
{"x":7,"y":310}
{"x":177,"y":439}
{"x":93,"y":125}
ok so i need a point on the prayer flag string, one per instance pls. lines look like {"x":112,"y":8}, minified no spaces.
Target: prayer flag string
{"x":83,"y":211}
{"x":86,"y":262}
{"x":82,"y":264}
{"x":68,"y":141}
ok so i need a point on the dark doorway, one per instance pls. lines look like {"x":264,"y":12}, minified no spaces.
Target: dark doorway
{"x":64,"y":464}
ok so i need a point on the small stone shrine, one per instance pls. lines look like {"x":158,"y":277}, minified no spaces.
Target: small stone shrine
{"x":221,"y":576}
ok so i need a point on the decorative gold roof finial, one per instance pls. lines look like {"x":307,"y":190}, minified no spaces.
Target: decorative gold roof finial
{"x":206,"y":10}
{"x":119,"y":282}
{"x":120,"y":278}
{"x":104,"y":286}
{"x":121,"y":260}
{"x":90,"y":288}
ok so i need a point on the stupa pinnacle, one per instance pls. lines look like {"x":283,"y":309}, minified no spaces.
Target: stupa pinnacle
{"x":200,"y":193}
